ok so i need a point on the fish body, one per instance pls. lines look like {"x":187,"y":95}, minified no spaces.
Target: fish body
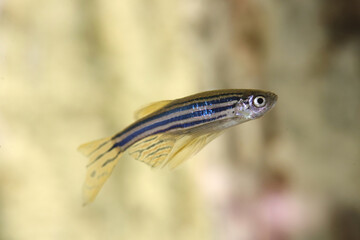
{"x":167,"y":133}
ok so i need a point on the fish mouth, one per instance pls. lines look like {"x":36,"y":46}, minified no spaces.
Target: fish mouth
{"x":273,"y":99}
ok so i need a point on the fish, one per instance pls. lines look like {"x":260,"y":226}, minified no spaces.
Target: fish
{"x":166,"y":133}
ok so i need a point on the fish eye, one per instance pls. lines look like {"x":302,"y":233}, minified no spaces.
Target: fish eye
{"x":259,"y":101}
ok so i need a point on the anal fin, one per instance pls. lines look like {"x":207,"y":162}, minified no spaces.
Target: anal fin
{"x":167,"y":150}
{"x":153,"y":150}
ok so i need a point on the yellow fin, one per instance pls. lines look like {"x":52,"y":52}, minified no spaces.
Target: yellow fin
{"x":150,"y":108}
{"x":103,"y":159}
{"x":153,"y":150}
{"x":187,"y":146}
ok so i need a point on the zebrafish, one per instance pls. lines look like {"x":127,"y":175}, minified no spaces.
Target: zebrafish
{"x":166,"y":133}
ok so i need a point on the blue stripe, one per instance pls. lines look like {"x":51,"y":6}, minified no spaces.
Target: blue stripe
{"x":179,"y":109}
{"x":190,"y":124}
{"x":203,"y":98}
{"x":172,"y":120}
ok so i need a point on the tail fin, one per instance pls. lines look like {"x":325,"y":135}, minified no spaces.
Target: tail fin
{"x":103,"y":158}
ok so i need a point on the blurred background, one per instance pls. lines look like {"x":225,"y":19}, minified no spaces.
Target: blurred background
{"x":75,"y":71}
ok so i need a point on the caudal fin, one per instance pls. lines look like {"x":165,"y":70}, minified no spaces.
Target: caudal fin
{"x":103,"y":158}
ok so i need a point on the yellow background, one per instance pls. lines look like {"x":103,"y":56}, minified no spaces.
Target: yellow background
{"x":75,"y":71}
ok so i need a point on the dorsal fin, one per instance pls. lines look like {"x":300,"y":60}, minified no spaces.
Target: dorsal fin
{"x":150,"y":108}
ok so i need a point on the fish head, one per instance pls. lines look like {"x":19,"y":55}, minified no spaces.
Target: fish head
{"x":254,"y":104}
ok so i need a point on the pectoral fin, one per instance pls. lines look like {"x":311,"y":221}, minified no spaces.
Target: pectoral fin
{"x":187,"y":146}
